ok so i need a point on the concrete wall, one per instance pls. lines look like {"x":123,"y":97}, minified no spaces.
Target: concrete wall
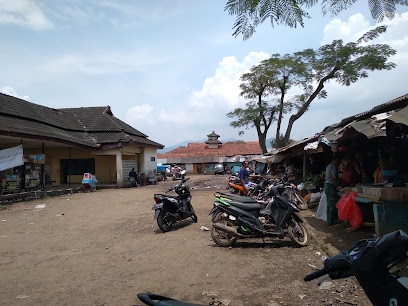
{"x":189,"y":168}
{"x":108,"y":163}
{"x":146,"y":163}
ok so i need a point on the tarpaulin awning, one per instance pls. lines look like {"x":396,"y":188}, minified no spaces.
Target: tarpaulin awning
{"x":400,"y":116}
{"x":271,"y":159}
{"x":369,"y":129}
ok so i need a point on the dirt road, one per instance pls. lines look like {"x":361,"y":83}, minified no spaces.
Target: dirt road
{"x":102,"y":248}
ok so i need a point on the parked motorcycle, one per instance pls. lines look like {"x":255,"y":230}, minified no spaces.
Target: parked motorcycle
{"x":177,"y":173}
{"x":169,"y":209}
{"x":370,"y":261}
{"x":235,"y":185}
{"x":293,"y":193}
{"x":236,"y":217}
{"x":132,"y":181}
{"x":261,"y":190}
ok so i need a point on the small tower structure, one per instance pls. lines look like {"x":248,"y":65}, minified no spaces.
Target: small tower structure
{"x":213,"y":142}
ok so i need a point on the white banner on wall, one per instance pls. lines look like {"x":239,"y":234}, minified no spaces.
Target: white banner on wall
{"x":10,"y":158}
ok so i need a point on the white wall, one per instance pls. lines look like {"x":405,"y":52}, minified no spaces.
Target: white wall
{"x":189,"y":168}
{"x":145,"y":163}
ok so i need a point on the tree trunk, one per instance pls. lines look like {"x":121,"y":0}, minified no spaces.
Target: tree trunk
{"x":303,"y":109}
{"x":278,"y":141}
{"x":261,"y":137}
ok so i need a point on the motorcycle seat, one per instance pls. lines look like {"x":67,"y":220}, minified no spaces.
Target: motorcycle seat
{"x":245,"y":206}
{"x":168,"y":196}
{"x":238,"y":198}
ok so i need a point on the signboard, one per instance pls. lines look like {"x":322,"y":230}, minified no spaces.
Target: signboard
{"x":37,"y":159}
{"x":12,"y":157}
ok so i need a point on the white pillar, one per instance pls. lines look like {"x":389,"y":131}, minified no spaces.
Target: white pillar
{"x":119,"y":168}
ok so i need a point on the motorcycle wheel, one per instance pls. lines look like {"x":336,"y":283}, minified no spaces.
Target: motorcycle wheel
{"x":299,"y":201}
{"x":222,"y":238}
{"x":163,"y":225}
{"x":298,"y":233}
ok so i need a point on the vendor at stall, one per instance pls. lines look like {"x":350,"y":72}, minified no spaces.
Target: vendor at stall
{"x":351,"y":171}
{"x":330,"y":189}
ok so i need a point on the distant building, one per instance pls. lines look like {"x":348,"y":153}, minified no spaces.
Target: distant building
{"x":202,"y":157}
{"x":73,"y":141}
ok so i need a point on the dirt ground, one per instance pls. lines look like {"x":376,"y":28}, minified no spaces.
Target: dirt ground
{"x":104,"y":247}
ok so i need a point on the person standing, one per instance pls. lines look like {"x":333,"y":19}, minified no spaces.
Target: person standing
{"x":330,"y":189}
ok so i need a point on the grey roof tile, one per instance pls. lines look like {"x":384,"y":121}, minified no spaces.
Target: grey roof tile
{"x":89,"y":126}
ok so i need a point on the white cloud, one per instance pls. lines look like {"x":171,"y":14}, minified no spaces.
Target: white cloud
{"x":25,"y":13}
{"x":139,"y":113}
{"x":11,"y":92}
{"x":105,"y":62}
{"x":206,"y":108}
{"x":378,"y":88}
{"x":222,"y":89}
{"x":347,"y":31}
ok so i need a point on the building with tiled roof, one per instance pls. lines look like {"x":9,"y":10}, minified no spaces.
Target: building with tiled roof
{"x":201,"y":157}
{"x":76,"y":139}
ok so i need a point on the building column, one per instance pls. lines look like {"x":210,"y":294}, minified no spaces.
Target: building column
{"x":119,"y":168}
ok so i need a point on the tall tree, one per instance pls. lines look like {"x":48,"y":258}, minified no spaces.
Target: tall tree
{"x":256,"y":85}
{"x":344,"y":64}
{"x":251,"y":13}
{"x":289,"y":71}
{"x":311,"y":70}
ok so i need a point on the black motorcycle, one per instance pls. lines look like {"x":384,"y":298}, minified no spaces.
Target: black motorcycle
{"x":370,"y":261}
{"x":169,"y":209}
{"x":240,"y":217}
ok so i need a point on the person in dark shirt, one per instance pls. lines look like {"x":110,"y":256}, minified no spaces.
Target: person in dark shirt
{"x":133,"y":173}
{"x":244,"y":176}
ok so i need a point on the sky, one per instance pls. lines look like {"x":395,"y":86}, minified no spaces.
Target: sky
{"x":171,"y":69}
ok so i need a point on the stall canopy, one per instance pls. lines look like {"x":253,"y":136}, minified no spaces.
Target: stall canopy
{"x":371,"y":123}
{"x":375,"y":126}
{"x":400,"y":116}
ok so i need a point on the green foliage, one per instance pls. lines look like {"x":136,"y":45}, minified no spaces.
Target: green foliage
{"x":275,"y":144}
{"x":309,"y":70}
{"x":252,"y":13}
{"x":317,"y":179}
{"x":4,"y":207}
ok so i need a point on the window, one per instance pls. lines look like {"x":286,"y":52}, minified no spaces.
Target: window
{"x":152,"y":158}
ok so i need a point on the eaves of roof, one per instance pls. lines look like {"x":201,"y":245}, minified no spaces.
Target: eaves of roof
{"x":87,"y":126}
{"x":385,"y":107}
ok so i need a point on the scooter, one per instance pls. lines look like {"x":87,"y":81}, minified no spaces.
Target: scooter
{"x":168,"y":210}
{"x":369,"y":260}
{"x":132,"y":181}
{"x":236,"y":217}
{"x":235,"y":185}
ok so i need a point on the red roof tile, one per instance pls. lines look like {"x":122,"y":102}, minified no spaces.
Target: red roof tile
{"x":226,"y":149}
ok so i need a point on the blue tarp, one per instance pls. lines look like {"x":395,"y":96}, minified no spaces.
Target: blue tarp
{"x":162,"y":168}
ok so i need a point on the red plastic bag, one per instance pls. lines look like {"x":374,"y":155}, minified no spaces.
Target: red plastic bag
{"x":355,"y":216}
{"x":348,"y":209}
{"x":343,"y":207}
